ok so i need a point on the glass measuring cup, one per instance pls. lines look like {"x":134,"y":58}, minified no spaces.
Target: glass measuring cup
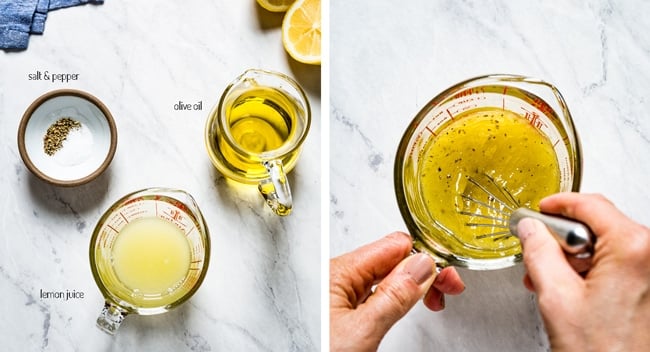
{"x":538,"y":102}
{"x":149,"y":253}
{"x":255,"y":133}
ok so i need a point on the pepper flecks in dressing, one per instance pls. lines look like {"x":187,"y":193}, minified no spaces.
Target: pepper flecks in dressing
{"x":497,"y":149}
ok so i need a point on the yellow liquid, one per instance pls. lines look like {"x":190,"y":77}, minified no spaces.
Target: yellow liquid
{"x":151,"y":258}
{"x":260,"y":120}
{"x":498,"y":149}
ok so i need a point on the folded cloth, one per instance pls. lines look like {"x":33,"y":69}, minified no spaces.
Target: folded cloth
{"x":59,"y":4}
{"x":20,"y":18}
{"x":16,"y":22}
{"x":38,"y":21}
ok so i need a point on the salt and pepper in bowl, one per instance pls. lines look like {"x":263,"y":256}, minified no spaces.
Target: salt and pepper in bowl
{"x":67,"y":137}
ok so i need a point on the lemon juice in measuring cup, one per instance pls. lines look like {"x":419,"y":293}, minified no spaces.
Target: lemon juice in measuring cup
{"x":149,"y":253}
{"x":151,"y":272}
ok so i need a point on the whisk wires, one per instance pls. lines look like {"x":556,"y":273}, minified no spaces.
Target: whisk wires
{"x":485,"y":204}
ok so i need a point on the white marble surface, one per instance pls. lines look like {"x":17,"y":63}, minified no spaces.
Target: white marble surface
{"x":261,"y":292}
{"x":389,"y":59}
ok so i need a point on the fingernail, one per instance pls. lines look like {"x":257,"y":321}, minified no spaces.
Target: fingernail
{"x":419,"y":267}
{"x":442,"y":302}
{"x":525,"y":228}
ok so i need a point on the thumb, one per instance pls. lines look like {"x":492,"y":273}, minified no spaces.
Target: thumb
{"x":547,"y":267}
{"x":399,"y":291}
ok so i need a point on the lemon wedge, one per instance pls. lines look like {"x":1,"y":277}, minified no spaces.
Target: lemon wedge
{"x":301,"y":31}
{"x":276,"y":5}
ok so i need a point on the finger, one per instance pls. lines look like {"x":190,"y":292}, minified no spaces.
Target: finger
{"x":580,"y":265}
{"x":434,"y":299}
{"x":353,"y":274}
{"x":528,"y":283}
{"x":381,"y":256}
{"x":547,"y":267}
{"x":449,"y":282}
{"x":593,"y":209}
{"x":399,"y":292}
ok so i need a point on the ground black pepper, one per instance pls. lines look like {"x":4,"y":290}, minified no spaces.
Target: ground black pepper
{"x":57,"y":133}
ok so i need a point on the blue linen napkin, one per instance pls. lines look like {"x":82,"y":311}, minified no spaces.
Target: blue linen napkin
{"x":20,"y":18}
{"x":38,"y":21}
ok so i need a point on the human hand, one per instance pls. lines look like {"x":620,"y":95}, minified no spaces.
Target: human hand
{"x":608,"y":309}
{"x":359,"y":318}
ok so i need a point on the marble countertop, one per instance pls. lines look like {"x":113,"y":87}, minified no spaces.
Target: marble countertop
{"x":389,"y":60}
{"x":262,"y":290}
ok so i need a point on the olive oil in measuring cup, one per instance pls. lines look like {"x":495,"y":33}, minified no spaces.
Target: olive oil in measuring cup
{"x":259,"y":120}
{"x":255,"y":134}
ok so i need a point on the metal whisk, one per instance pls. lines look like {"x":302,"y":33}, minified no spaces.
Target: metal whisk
{"x":502,"y":212}
{"x":484,"y":204}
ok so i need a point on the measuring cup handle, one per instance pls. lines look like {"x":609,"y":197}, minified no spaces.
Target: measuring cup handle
{"x":275,"y":189}
{"x":440,"y":263}
{"x":110,"y":318}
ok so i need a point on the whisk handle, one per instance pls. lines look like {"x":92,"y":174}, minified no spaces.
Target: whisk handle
{"x":574,"y":237}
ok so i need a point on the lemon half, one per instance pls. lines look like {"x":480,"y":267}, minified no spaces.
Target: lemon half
{"x":276,"y":5}
{"x":301,"y":31}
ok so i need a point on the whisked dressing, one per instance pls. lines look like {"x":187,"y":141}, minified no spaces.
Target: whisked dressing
{"x":485,"y":148}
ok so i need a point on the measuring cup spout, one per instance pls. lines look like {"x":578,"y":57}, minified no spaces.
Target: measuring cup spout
{"x":275,"y":189}
{"x":110,"y":318}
